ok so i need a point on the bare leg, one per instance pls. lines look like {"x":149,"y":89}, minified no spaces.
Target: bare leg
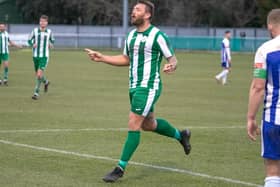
{"x":272,"y":168}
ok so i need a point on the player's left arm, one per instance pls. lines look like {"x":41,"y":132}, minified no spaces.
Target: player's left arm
{"x":228,"y":52}
{"x":168,"y":52}
{"x":171,"y":66}
{"x":51,"y":44}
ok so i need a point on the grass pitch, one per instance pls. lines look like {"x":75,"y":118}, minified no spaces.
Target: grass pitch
{"x":87,"y":108}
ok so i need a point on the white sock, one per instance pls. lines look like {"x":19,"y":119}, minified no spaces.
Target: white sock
{"x":224,"y":79}
{"x":273,"y":181}
{"x":222,"y":74}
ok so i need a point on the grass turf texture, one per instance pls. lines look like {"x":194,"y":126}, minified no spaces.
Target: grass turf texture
{"x":83,"y":94}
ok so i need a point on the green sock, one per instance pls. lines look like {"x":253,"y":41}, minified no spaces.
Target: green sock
{"x":132,"y":142}
{"x":6,"y":71}
{"x":44,"y":79}
{"x":37,"y":86}
{"x":166,"y":129}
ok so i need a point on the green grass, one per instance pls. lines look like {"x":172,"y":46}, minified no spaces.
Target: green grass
{"x":93,"y":95}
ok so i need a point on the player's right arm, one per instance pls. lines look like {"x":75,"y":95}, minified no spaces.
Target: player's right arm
{"x":255,"y":100}
{"x":31,"y":40}
{"x":256,"y":94}
{"x":118,"y":60}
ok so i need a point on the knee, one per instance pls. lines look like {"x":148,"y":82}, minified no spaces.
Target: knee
{"x":134,"y":123}
{"x":132,"y":126}
{"x":39,"y":74}
{"x":145,"y":127}
{"x":272,"y":167}
{"x":149,"y":124}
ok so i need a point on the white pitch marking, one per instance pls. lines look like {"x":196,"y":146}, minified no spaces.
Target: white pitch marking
{"x":61,"y":130}
{"x":105,"y":129}
{"x":132,"y":163}
{"x":215,"y":127}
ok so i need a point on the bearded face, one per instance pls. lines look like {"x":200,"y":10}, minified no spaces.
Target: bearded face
{"x":137,"y":21}
{"x":139,"y":14}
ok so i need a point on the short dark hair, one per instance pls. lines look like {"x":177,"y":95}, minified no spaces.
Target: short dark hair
{"x":44,"y":17}
{"x":150,"y":7}
{"x":227,"y":31}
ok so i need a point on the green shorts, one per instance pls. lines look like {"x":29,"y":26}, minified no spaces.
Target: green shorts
{"x":142,"y":100}
{"x":4,"y":57}
{"x":40,"y":63}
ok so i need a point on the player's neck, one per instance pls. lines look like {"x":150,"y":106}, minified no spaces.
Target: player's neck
{"x":143,"y":27}
{"x":43,"y":28}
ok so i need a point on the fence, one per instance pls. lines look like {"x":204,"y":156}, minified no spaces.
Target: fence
{"x":214,"y":43}
{"x":244,"y":39}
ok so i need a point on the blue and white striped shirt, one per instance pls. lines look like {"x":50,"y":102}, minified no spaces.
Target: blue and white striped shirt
{"x":268,"y":58}
{"x":225,"y":51}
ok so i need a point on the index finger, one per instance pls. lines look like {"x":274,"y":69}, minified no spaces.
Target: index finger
{"x":251,"y":136}
{"x":168,"y":71}
{"x":88,"y":50}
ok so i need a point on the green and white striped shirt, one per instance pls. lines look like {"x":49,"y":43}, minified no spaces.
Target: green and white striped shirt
{"x":43,"y":40}
{"x":4,"y":42}
{"x":145,"y":51}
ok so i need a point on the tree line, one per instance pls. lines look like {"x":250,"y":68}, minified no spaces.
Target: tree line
{"x":210,"y":13}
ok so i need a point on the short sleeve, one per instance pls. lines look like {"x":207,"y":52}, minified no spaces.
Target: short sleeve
{"x":125,"y":49}
{"x":260,"y":64}
{"x":127,"y":41}
{"x":8,"y":37}
{"x":164,"y":45}
{"x":226,"y":43}
{"x":51,"y":37}
{"x":227,"y":48}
